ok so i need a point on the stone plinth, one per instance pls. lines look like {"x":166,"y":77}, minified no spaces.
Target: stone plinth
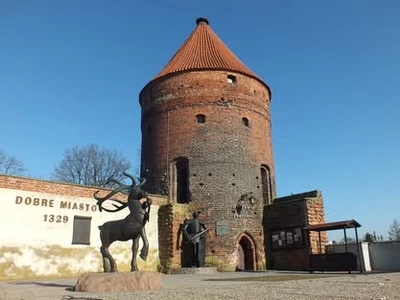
{"x":118,"y":282}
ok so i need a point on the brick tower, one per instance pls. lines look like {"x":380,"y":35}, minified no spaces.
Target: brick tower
{"x":206,"y":143}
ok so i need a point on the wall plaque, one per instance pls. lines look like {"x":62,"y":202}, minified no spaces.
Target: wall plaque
{"x":222,"y":228}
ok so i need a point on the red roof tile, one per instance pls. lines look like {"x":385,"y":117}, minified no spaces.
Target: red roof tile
{"x":204,"y":50}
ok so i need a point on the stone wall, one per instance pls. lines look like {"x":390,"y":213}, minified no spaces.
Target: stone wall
{"x":170,"y":218}
{"x":225,"y":257}
{"x":38,"y":224}
{"x":286,"y":241}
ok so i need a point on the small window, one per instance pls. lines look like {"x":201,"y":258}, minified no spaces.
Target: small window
{"x":201,"y":118}
{"x":81,"y":230}
{"x":245,"y":122}
{"x":231,"y":79}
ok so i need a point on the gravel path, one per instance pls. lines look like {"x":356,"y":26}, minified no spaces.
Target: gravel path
{"x":384,"y":286}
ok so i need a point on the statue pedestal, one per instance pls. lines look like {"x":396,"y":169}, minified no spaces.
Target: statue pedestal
{"x":118,"y":282}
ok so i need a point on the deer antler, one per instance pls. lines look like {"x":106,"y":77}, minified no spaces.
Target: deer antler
{"x":100,"y":200}
{"x":142,"y":182}
{"x":109,"y":180}
{"x":126,"y":188}
{"x":112,"y":193}
{"x":131,"y":177}
{"x":123,"y":188}
{"x":117,"y":207}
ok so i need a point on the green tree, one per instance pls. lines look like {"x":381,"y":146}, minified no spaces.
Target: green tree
{"x":90,"y":165}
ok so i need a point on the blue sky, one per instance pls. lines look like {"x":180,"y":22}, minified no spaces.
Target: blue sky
{"x":71,"y":72}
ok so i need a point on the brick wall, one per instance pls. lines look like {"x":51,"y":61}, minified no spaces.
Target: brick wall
{"x":315,"y":215}
{"x":219,"y":249}
{"x":170,"y":128}
{"x":224,"y":154}
{"x":170,"y":218}
{"x":54,"y":187}
{"x":288,"y":214}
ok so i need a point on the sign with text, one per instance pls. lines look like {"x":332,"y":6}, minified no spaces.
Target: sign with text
{"x":222,"y":228}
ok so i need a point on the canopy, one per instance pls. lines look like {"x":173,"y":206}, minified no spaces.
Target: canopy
{"x":333,"y":225}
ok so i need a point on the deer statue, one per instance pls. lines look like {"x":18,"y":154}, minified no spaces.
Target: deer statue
{"x":130,"y":228}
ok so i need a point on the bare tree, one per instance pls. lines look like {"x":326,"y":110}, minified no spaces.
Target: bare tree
{"x":9,"y":164}
{"x":394,"y":231}
{"x":90,"y":165}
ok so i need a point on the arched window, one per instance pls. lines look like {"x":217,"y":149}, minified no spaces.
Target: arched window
{"x":182,"y":180}
{"x":245,"y":121}
{"x":266,"y":184}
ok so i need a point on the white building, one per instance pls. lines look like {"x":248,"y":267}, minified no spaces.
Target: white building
{"x":51,"y":229}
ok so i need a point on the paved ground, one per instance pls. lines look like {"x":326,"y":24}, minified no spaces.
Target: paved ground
{"x":237,"y":285}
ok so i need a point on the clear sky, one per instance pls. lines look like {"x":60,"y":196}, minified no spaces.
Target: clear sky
{"x":71,"y":72}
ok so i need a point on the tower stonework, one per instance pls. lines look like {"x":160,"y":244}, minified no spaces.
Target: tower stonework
{"x":206,"y":143}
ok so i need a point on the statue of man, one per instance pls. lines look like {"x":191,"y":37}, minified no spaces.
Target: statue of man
{"x":193,"y":231}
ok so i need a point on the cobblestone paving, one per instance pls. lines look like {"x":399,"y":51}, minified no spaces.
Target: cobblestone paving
{"x":384,"y":286}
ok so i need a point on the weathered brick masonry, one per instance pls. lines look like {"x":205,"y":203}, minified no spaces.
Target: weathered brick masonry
{"x":61,"y":188}
{"x":224,"y":151}
{"x":287,"y":214}
{"x":223,"y":143}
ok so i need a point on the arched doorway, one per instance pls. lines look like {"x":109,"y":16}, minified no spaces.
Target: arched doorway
{"x":246,"y":253}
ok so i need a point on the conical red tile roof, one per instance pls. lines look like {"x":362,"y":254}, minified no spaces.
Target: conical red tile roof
{"x":204,"y":50}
